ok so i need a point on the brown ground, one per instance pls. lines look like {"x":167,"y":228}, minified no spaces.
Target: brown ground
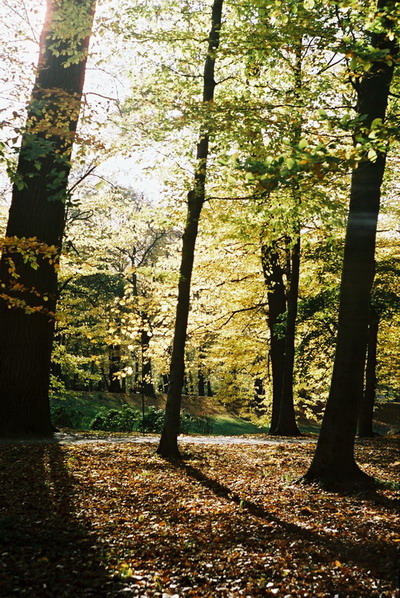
{"x":117,"y":520}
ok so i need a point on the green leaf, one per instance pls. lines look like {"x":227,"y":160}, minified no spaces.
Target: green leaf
{"x":290,"y":162}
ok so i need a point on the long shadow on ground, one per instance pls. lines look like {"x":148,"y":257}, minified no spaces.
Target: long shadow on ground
{"x":379,"y":558}
{"x":45,"y":550}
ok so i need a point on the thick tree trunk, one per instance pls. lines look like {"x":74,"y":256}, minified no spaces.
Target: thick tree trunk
{"x":334,"y":460}
{"x":276,"y":296}
{"x":168,"y":446}
{"x":287,"y":420}
{"x":38,"y":211}
{"x":365,"y":417}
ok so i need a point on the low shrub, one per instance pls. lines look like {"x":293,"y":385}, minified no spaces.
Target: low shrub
{"x":132,"y":420}
{"x":64,"y":416}
{"x":192,"y":424}
{"x":117,"y":420}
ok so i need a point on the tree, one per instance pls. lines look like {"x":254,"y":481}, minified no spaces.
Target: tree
{"x":168,"y":446}
{"x":37,"y":218}
{"x":385,"y":303}
{"x":273,"y":275}
{"x":334,"y":461}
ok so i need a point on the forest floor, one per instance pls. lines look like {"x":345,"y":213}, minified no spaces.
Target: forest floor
{"x":114,"y":519}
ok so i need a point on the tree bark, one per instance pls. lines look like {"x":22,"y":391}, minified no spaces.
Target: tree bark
{"x":365,"y":417}
{"x":276,"y":297}
{"x":114,"y":366}
{"x":334,"y":461}
{"x":168,"y":446}
{"x":38,"y":212}
{"x":287,"y":419}
{"x":148,"y":386}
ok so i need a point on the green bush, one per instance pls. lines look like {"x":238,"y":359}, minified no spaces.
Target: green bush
{"x":132,"y":420}
{"x":153,"y":420}
{"x":64,"y":416}
{"x":192,"y":424}
{"x":117,"y":420}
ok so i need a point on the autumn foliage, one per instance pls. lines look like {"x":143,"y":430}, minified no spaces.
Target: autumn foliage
{"x":107,"y":519}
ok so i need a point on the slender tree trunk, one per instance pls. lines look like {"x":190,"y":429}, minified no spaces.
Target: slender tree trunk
{"x":38,"y":211}
{"x":287,"y":419}
{"x":276,"y":296}
{"x":334,"y":460}
{"x":201,"y":380}
{"x":284,"y":419}
{"x":114,"y":366}
{"x":259,"y":395}
{"x":201,"y":383}
{"x":168,"y":446}
{"x":365,"y":417}
{"x":148,"y":386}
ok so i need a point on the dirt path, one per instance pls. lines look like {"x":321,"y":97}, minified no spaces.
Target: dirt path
{"x":65,"y":438}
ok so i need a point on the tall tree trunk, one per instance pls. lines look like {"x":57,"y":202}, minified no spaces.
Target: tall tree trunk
{"x":114,"y":366}
{"x":201,"y":383}
{"x":201,"y":380}
{"x":168,"y":446}
{"x":38,"y":212}
{"x":147,"y":380}
{"x":334,"y":460}
{"x":366,"y":414}
{"x":276,"y":296}
{"x":286,"y":424}
{"x":259,"y":395}
{"x":287,"y":420}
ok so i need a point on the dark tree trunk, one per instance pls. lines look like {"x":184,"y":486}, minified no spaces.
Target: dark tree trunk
{"x":366,"y":415}
{"x":168,"y":446}
{"x":334,"y":460}
{"x":148,"y":386}
{"x":201,"y":379}
{"x":287,"y":420}
{"x":209,"y":389}
{"x":273,"y":276}
{"x":165,"y":382}
{"x":259,"y":395}
{"x":114,"y":366}
{"x":201,"y":383}
{"x":38,"y":212}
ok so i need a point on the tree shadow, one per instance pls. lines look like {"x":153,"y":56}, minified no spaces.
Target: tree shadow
{"x":330,"y":547}
{"x":46,"y":550}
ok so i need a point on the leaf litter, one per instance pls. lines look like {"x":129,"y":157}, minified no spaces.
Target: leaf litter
{"x":117,"y":520}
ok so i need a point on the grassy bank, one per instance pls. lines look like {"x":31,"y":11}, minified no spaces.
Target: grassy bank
{"x":78,"y":409}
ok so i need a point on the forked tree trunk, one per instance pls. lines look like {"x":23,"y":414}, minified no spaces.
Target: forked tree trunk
{"x":276,"y":296}
{"x":284,"y":418}
{"x":168,"y":446}
{"x":334,"y":461}
{"x":366,"y":415}
{"x":38,"y":211}
{"x":286,"y":425}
